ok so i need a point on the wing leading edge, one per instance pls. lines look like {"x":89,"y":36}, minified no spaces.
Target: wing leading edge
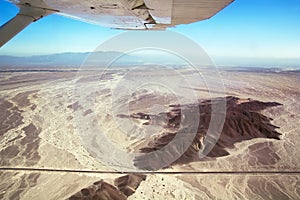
{"x":120,"y":14}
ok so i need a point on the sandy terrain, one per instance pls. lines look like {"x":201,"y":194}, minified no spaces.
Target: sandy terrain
{"x":48,"y":118}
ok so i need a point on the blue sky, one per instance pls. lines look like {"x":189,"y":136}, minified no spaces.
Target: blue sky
{"x":262,"y":29}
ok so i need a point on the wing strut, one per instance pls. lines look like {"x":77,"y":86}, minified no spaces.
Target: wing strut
{"x":26,"y":16}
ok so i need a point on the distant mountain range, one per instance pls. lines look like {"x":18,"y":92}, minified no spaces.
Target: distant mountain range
{"x":75,"y":60}
{"x":114,"y":58}
{"x":65,"y":60}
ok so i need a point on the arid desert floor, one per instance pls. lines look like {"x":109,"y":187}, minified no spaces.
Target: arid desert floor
{"x":94,"y":134}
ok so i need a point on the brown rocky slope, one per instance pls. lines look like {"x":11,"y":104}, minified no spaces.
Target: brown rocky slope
{"x":243,"y":121}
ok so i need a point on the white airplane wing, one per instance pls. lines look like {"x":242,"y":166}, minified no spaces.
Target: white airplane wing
{"x":120,"y":14}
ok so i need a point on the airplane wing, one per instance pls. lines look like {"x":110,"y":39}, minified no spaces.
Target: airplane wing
{"x":120,"y":14}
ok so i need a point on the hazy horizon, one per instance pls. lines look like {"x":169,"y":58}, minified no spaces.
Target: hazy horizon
{"x":245,"y":29}
{"x":78,"y":58}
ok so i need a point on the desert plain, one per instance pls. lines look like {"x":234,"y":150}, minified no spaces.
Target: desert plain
{"x":89,"y":134}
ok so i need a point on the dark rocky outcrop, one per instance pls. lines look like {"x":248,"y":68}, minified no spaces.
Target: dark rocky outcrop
{"x":129,"y":183}
{"x":100,"y":190}
{"x":243,"y":121}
